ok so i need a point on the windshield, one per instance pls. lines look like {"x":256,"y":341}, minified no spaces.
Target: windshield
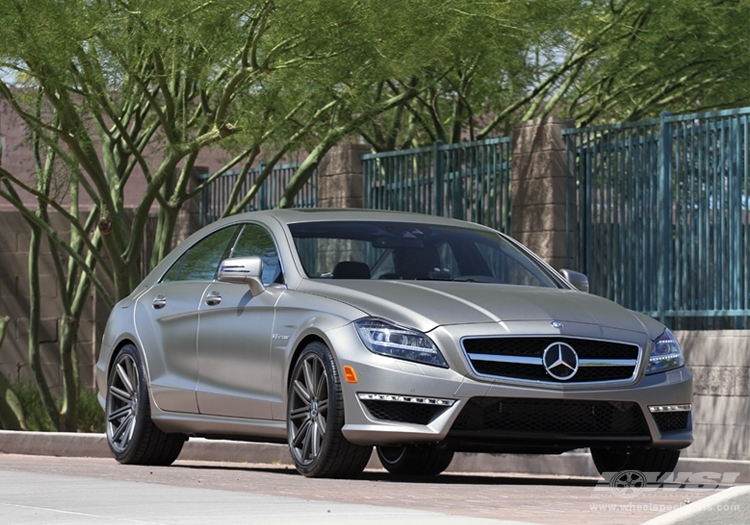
{"x":403,"y":250}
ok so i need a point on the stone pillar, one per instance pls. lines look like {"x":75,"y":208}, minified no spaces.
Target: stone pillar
{"x":340,"y":177}
{"x":539,"y":187}
{"x":188,"y":218}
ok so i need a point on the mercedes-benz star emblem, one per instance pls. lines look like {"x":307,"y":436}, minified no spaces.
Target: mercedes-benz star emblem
{"x":560,"y":361}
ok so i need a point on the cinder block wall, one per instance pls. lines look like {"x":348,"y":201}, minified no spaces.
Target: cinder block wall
{"x":15,"y":235}
{"x":720,"y":364}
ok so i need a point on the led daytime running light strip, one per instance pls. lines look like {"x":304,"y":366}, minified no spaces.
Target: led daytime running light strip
{"x":407,"y":399}
{"x":670,"y":408}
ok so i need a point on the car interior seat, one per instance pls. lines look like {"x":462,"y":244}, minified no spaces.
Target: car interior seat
{"x":351,"y":270}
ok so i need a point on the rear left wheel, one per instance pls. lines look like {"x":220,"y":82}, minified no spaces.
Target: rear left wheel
{"x":315,"y":417}
{"x":132,"y":436}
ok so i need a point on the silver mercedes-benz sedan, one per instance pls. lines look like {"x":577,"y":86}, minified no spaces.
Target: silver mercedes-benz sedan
{"x":339,"y":330}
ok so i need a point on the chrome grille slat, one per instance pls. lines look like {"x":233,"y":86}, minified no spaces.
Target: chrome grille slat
{"x":520,"y":358}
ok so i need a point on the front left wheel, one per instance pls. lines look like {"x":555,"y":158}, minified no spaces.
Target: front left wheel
{"x":132,"y":436}
{"x":315,"y":417}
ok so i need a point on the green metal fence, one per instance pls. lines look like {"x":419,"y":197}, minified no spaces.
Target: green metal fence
{"x":663,"y":209}
{"x":469,"y":180}
{"x":215,"y":196}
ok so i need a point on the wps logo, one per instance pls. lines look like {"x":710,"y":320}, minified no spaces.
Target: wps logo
{"x":629,"y":483}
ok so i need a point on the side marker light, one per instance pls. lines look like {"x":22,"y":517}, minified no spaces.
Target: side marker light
{"x":349,"y":374}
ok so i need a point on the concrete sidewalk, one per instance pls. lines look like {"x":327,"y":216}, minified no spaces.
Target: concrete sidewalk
{"x":198,"y":449}
{"x":38,"y":499}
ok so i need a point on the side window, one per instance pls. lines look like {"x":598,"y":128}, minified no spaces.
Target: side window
{"x":174,"y":271}
{"x":201,"y":261}
{"x":255,"y":240}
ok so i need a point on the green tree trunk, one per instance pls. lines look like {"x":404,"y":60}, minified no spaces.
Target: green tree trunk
{"x":11,"y":412}
{"x":35,"y":358}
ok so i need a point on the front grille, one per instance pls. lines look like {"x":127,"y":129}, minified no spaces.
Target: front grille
{"x":668,"y":421}
{"x":420,"y":414}
{"x":555,"y":417}
{"x":521,"y":358}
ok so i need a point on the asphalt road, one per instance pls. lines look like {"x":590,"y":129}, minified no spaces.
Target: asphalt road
{"x":41,"y":489}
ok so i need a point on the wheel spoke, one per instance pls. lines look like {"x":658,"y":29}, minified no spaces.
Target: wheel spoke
{"x":301,"y":433}
{"x":321,"y":386}
{"x":120,"y":394}
{"x":314,"y":439}
{"x":306,"y":443}
{"x":309,"y":378}
{"x":124,"y":425}
{"x":124,"y":376}
{"x":302,"y":392}
{"x":120,"y":412}
{"x":321,"y":422}
{"x":302,"y":411}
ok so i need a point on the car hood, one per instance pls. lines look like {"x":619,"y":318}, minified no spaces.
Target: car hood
{"x":427,"y":304}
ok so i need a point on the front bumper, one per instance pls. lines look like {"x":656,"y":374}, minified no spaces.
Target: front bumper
{"x":399,"y":402}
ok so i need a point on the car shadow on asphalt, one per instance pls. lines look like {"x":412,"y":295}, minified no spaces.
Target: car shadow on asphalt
{"x":447,"y":478}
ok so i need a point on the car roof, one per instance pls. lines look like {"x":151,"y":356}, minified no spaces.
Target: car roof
{"x":294,"y":215}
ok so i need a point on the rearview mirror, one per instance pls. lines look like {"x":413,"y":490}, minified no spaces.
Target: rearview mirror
{"x":577,"y":279}
{"x":243,"y":270}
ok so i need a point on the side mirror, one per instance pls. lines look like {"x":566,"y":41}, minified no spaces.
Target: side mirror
{"x":243,"y":270}
{"x":577,"y":279}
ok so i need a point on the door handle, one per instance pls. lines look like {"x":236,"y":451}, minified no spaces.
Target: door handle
{"x":159,"y":302}
{"x":213,"y":298}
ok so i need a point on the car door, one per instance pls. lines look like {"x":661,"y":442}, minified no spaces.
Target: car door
{"x":167,"y":319}
{"x":235,"y":333}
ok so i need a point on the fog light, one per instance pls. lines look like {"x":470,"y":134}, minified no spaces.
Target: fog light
{"x":670,"y":408}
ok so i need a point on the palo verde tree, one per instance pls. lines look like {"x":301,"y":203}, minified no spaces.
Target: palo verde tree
{"x":113,"y":91}
{"x":600,"y":61}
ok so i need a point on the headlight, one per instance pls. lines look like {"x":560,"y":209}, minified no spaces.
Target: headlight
{"x":665,"y":355}
{"x":382,"y":337}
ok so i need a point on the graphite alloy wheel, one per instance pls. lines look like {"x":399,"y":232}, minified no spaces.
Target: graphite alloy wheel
{"x":315,"y":417}
{"x":614,"y":460}
{"x":426,"y":460}
{"x":132,"y":436}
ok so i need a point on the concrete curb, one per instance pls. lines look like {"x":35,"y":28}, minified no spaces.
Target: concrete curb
{"x":197,"y":449}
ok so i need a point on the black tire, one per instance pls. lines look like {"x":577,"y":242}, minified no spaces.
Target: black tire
{"x":315,"y":417}
{"x":427,"y":460}
{"x":132,"y":437}
{"x":614,"y":460}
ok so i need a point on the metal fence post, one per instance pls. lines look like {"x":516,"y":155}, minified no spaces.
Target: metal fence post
{"x":665,"y":214}
{"x":204,"y":205}
{"x":263,"y":191}
{"x":439,"y":188}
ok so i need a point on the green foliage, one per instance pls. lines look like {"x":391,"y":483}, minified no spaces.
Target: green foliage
{"x":593,"y":61}
{"x":37,"y":418}
{"x":90,"y":413}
